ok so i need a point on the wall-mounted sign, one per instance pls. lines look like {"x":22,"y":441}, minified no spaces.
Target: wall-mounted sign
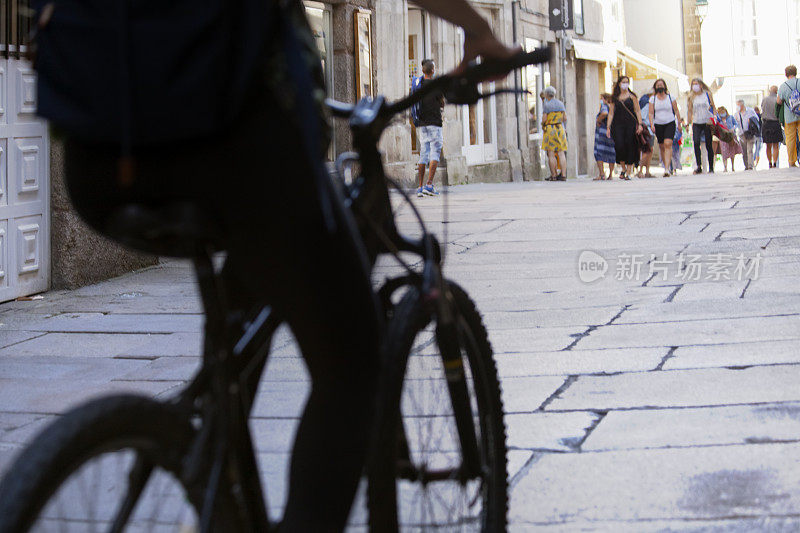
{"x":561,"y":15}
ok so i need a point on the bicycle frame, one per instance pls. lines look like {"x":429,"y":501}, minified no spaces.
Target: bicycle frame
{"x":236,"y":347}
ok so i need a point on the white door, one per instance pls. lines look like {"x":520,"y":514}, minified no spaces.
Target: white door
{"x":24,"y":185}
{"x":480,"y":129}
{"x":479,"y":121}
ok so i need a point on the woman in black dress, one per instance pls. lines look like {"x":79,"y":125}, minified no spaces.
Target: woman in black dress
{"x":625,"y":122}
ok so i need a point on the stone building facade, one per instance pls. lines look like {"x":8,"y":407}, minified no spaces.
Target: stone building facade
{"x":499,"y":139}
{"x":693,"y":43}
{"x":371,"y":47}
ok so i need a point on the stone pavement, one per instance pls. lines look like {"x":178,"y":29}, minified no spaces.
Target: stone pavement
{"x":662,"y":396}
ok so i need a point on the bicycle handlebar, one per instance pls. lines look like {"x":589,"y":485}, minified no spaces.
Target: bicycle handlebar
{"x":458,"y":89}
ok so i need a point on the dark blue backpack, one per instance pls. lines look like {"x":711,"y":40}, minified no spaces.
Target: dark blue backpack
{"x":416,"y":83}
{"x":138,"y":72}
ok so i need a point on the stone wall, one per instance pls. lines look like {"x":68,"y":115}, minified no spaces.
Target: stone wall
{"x":79,"y":255}
{"x":691,"y":35}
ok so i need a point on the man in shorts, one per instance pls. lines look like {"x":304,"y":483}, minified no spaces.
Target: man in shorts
{"x":429,"y":132}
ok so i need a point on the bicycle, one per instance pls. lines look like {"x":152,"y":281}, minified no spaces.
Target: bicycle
{"x":438,"y":453}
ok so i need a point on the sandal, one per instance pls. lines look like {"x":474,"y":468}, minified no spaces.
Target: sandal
{"x":666,"y":175}
{"x":598,"y":178}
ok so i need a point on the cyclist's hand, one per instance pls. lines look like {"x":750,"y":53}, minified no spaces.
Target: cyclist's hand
{"x":487,"y":46}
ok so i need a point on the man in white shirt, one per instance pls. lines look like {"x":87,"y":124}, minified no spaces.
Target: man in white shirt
{"x":746,"y":139}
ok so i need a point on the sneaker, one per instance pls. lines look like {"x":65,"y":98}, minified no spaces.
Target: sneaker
{"x":429,"y":190}
{"x":420,"y":193}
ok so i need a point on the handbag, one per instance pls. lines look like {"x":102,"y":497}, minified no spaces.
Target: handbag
{"x":722,"y":132}
{"x":643,"y":137}
{"x":753,"y":130}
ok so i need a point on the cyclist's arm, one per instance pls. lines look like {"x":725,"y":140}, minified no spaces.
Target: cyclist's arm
{"x":478,"y":37}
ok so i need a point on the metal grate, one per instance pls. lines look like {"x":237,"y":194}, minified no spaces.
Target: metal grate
{"x":16,"y":17}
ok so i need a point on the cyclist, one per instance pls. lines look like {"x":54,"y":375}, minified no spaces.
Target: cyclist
{"x":289,"y":242}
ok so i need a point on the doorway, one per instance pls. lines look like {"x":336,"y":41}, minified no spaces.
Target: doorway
{"x":418,"y":49}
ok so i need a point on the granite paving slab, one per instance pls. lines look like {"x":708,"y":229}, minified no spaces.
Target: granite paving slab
{"x":698,"y":483}
{"x":672,"y":428}
{"x":682,"y":388}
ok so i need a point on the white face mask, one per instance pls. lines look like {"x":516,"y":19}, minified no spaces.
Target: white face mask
{"x":696,"y":88}
{"x":624,"y":86}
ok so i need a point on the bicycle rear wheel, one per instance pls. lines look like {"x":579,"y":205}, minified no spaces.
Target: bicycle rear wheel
{"x":417,"y":479}
{"x":112,"y":464}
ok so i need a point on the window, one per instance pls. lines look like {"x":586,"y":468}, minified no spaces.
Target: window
{"x":577,"y":16}
{"x":15,"y":26}
{"x":319,"y":19}
{"x":363,"y":33}
{"x":747,"y":34}
{"x":535,"y":79}
{"x":794,"y":24}
{"x":750,"y":99}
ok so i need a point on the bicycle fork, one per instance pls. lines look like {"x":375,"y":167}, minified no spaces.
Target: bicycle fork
{"x":447,"y":338}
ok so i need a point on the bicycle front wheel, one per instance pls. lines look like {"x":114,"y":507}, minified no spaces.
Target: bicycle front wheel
{"x":418,"y":478}
{"x":112,"y":464}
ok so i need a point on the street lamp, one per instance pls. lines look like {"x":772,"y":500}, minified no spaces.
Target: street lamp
{"x":701,"y":10}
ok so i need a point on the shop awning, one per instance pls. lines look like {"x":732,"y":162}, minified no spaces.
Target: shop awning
{"x":593,"y":51}
{"x":659,"y":69}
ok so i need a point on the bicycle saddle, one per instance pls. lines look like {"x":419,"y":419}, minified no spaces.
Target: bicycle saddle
{"x":178,"y":229}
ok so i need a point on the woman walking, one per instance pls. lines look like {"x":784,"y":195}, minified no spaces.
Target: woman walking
{"x":554,"y":140}
{"x":759,"y":139}
{"x":701,"y":109}
{"x":728,"y":150}
{"x":664,"y":117}
{"x":771,"y":131}
{"x":604,"y":151}
{"x":624,"y":124}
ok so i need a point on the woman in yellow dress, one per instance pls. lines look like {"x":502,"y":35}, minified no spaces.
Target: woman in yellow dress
{"x":554,"y":142}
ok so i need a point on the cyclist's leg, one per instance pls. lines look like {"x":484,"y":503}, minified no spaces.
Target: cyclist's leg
{"x":319,"y":281}
{"x":279,"y":250}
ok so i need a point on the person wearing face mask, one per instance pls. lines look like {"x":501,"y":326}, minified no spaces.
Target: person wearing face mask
{"x":604,"y":151}
{"x":664,"y":119}
{"x":747,"y":132}
{"x":624,"y":124}
{"x":701,"y":109}
{"x":728,"y":150}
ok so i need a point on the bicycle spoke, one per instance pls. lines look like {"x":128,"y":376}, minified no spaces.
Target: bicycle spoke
{"x":117,"y":492}
{"x":434,"y":494}
{"x":137,"y":480}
